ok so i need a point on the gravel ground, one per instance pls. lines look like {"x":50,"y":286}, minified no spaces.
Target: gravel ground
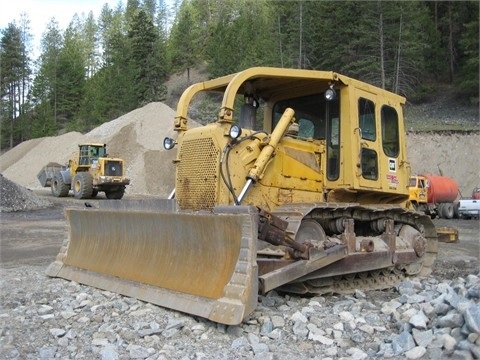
{"x":48,"y":318}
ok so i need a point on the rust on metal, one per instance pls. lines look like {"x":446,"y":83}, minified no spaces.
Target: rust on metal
{"x":145,"y":247}
{"x":348,"y":236}
{"x":300,"y":268}
{"x":166,"y":258}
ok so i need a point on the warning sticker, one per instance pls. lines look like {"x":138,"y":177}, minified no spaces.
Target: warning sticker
{"x":392,"y":181}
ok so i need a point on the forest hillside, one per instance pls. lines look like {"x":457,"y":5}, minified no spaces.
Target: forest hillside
{"x":98,"y":69}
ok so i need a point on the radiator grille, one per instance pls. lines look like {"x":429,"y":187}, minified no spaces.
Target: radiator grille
{"x":113,"y":168}
{"x":197,"y":174}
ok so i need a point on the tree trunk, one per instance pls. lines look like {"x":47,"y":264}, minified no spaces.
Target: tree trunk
{"x":451,"y":50}
{"x":382,"y":45}
{"x":280,"y":41}
{"x":397,"y":63}
{"x":301,"y":35}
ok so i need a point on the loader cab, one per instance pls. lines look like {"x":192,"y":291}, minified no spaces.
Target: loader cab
{"x":90,"y":153}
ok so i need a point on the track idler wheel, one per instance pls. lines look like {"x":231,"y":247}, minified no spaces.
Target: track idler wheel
{"x":416,"y":240}
{"x":310,"y":230}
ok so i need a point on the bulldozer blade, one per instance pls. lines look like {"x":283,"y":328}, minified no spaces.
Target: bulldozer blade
{"x":199,"y":263}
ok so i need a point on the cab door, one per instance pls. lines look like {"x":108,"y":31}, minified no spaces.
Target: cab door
{"x":367,"y":137}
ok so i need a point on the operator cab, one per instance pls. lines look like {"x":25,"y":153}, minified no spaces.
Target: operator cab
{"x":90,"y":153}
{"x":317,"y":119}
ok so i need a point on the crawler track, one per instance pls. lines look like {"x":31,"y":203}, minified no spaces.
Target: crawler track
{"x":346,"y":276}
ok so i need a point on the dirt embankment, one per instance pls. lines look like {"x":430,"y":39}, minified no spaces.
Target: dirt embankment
{"x":452,"y":154}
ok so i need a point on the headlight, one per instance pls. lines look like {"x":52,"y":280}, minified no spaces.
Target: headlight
{"x":168,"y":143}
{"x":235,"y":131}
{"x":330,"y":94}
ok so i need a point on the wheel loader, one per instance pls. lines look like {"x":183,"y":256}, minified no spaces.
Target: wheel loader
{"x":298,"y":184}
{"x":89,"y":171}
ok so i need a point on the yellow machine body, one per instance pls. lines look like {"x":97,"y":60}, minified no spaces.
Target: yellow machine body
{"x":88,"y":172}
{"x":302,"y":179}
{"x":418,"y":190}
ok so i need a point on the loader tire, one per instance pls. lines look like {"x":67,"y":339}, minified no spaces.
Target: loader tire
{"x":83,"y":185}
{"x":59,"y":188}
{"x":116,"y":194}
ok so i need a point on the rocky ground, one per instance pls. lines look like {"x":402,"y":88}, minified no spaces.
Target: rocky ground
{"x":18,"y":198}
{"x":45,"y":318}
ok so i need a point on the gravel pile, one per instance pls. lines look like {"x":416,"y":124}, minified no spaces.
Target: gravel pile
{"x":136,"y":137}
{"x":14,"y":197}
{"x":54,"y":318}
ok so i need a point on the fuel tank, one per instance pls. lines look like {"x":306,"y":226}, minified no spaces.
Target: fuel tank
{"x":442,"y":189}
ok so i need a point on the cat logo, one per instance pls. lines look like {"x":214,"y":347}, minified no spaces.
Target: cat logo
{"x":392,"y":165}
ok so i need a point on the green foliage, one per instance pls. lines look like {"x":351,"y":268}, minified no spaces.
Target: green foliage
{"x":468,"y":79}
{"x":99,"y":69}
{"x":146,"y":59}
{"x":14,"y":74}
{"x":184,"y":47}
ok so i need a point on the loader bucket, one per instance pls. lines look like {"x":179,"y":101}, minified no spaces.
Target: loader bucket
{"x":45,"y":175}
{"x":198,"y":263}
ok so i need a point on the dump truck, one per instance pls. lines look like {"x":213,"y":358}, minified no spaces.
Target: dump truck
{"x":88,"y":172}
{"x":435,"y":195}
{"x":299,"y":184}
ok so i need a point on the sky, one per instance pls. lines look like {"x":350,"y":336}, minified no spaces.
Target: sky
{"x":40,"y":12}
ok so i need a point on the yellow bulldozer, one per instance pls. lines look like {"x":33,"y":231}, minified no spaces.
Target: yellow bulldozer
{"x":89,"y":171}
{"x":299,"y":184}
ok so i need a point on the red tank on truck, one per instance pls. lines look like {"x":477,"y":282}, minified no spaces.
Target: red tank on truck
{"x":435,"y":195}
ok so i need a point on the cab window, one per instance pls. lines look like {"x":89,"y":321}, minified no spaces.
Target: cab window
{"x":333,"y":147}
{"x":390,"y":138}
{"x":309,"y":113}
{"x":366,"y":119}
{"x":317,"y":119}
{"x":413,"y":182}
{"x":84,"y":155}
{"x":369,"y":164}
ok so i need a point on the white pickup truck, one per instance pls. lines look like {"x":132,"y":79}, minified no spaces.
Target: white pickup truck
{"x":469,"y":208}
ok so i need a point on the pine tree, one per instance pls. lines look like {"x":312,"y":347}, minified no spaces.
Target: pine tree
{"x":46,"y":84}
{"x":14,"y":72}
{"x":148,"y":76}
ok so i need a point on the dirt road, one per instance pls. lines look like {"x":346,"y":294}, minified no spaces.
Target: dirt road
{"x":35,"y":237}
